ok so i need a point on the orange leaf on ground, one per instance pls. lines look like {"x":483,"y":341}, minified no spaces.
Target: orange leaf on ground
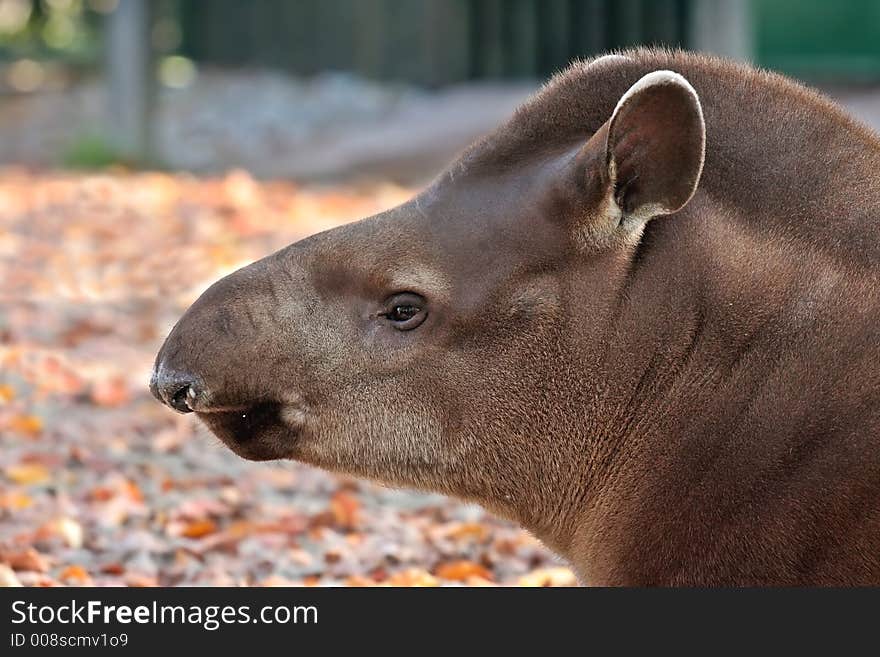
{"x":7,"y":393}
{"x":459,"y":571}
{"x":199,"y":528}
{"x":469,"y":531}
{"x":345,"y":508}
{"x":413,"y":577}
{"x":27,"y":559}
{"x":102,"y":493}
{"x":28,"y":425}
{"x":113,"y":568}
{"x":76,"y":574}
{"x":28,"y":474}
{"x":127,"y":488}
{"x":241,"y":528}
{"x":15,"y":501}
{"x":132,"y":491}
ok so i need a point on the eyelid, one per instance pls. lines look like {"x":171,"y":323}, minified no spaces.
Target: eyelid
{"x":405,"y":299}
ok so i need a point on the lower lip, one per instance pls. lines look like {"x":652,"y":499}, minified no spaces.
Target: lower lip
{"x":247,"y":423}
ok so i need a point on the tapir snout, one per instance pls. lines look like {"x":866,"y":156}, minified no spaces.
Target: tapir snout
{"x":210,"y":361}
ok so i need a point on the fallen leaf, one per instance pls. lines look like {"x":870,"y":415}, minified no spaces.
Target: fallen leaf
{"x":413,"y":577}
{"x":132,"y":490}
{"x":242,"y":528}
{"x":28,"y":425}
{"x":15,"y":501}
{"x":468,"y":531}
{"x":459,"y":571}
{"x":76,"y":574}
{"x":28,"y":474}
{"x":113,"y":568}
{"x":345,"y":508}
{"x":102,"y":493}
{"x":27,"y":559}
{"x":7,"y":393}
{"x":199,"y":528}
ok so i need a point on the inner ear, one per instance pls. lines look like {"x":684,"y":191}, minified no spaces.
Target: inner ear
{"x":655,"y":146}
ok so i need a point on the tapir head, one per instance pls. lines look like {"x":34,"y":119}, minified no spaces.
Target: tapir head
{"x":441,"y":343}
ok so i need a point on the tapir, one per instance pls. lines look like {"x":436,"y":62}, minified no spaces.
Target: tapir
{"x":641,"y":319}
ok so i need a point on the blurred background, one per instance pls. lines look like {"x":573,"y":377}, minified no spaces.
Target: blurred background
{"x":318,"y":89}
{"x":147,"y":147}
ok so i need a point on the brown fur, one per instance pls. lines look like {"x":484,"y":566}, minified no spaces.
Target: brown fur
{"x":690,"y":400}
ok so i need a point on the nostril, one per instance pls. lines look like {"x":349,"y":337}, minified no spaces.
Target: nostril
{"x":175,"y":389}
{"x":179,"y":401}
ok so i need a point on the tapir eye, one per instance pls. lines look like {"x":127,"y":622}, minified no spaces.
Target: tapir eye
{"x":405,"y":311}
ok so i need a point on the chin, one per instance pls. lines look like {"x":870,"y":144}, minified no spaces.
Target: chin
{"x":257,"y":433}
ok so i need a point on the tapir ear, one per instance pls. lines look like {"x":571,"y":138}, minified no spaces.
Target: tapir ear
{"x":655,"y":146}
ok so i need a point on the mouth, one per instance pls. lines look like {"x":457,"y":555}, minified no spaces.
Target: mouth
{"x":257,"y":432}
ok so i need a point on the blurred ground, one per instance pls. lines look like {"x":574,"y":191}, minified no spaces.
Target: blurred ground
{"x":100,"y":484}
{"x":275,"y":126}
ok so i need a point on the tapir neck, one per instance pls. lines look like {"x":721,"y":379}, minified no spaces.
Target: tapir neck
{"x":690,"y":390}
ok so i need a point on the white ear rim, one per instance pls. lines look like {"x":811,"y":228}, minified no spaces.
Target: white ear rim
{"x":657,"y":78}
{"x":653,"y":79}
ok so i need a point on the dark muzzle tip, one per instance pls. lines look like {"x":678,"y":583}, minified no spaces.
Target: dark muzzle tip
{"x":174,"y":389}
